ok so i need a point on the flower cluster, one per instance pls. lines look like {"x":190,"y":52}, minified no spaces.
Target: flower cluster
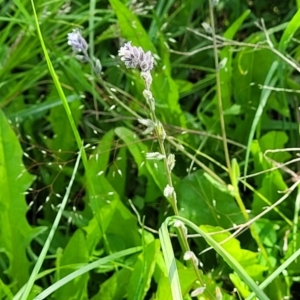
{"x":77,"y":42}
{"x":79,"y":45}
{"x":135,"y":57}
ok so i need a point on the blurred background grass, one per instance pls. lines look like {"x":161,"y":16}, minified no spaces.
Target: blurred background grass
{"x":250,"y":36}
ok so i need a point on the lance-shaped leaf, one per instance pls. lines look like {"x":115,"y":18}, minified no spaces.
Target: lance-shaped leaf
{"x":15,"y":232}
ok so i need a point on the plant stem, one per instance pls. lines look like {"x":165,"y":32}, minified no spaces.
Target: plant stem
{"x":218,"y":83}
{"x":181,"y":233}
{"x":223,"y":130}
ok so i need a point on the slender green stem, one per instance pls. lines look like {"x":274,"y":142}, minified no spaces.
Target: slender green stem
{"x":223,"y":130}
{"x":220,"y":106}
{"x":91,"y":44}
{"x":73,"y":126}
{"x":163,"y":152}
{"x":181,"y":232}
{"x":218,"y":83}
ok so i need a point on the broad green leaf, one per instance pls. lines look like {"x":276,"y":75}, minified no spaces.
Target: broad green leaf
{"x":143,"y":270}
{"x":138,"y":150}
{"x":163,"y":289}
{"x":161,"y":277}
{"x":266,"y":231}
{"x":96,"y":264}
{"x":271,"y":184}
{"x":249,"y":67}
{"x":227,"y":256}
{"x":72,"y":255}
{"x":183,"y":86}
{"x":268,"y":237}
{"x":16,"y":234}
{"x":5,"y":291}
{"x":63,"y":139}
{"x":204,"y":203}
{"x":115,"y":287}
{"x":247,"y":259}
{"x":165,"y":90}
{"x":226,"y":71}
{"x":240,"y":285}
{"x":292,"y":257}
{"x":136,"y":147}
{"x":187,"y":281}
{"x":34,"y":273}
{"x":184,"y":14}
{"x":117,"y":174}
{"x":275,"y":140}
{"x":36,"y":111}
{"x":187,"y":277}
{"x":107,"y":206}
{"x":131,"y":27}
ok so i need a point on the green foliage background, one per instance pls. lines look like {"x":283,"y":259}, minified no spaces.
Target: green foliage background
{"x":107,"y":244}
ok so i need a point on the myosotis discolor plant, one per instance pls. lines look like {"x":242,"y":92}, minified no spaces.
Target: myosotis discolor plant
{"x":135,"y":57}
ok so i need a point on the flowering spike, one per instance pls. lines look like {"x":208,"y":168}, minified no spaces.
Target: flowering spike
{"x":77,"y":42}
{"x":135,"y":57}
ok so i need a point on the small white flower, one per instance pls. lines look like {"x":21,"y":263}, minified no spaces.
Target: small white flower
{"x":154,"y":156}
{"x":97,"y":66}
{"x":219,"y":295}
{"x":146,"y":122}
{"x":168,"y":191}
{"x":190,"y":255}
{"x":179,"y":224}
{"x":149,"y":124}
{"x":198,"y":291}
{"x":171,"y":161}
{"x":77,"y":42}
{"x":161,"y":131}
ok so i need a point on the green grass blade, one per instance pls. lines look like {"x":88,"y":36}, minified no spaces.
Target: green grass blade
{"x":87,"y":268}
{"x":289,"y":31}
{"x":170,"y":261}
{"x":37,"y":109}
{"x":59,"y":89}
{"x":276,"y":273}
{"x":44,"y":251}
{"x":228,"y":258}
{"x":296,"y":219}
{"x":71,"y":120}
{"x":270,"y":81}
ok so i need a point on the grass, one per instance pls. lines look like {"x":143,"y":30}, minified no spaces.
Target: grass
{"x":83,"y":213}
